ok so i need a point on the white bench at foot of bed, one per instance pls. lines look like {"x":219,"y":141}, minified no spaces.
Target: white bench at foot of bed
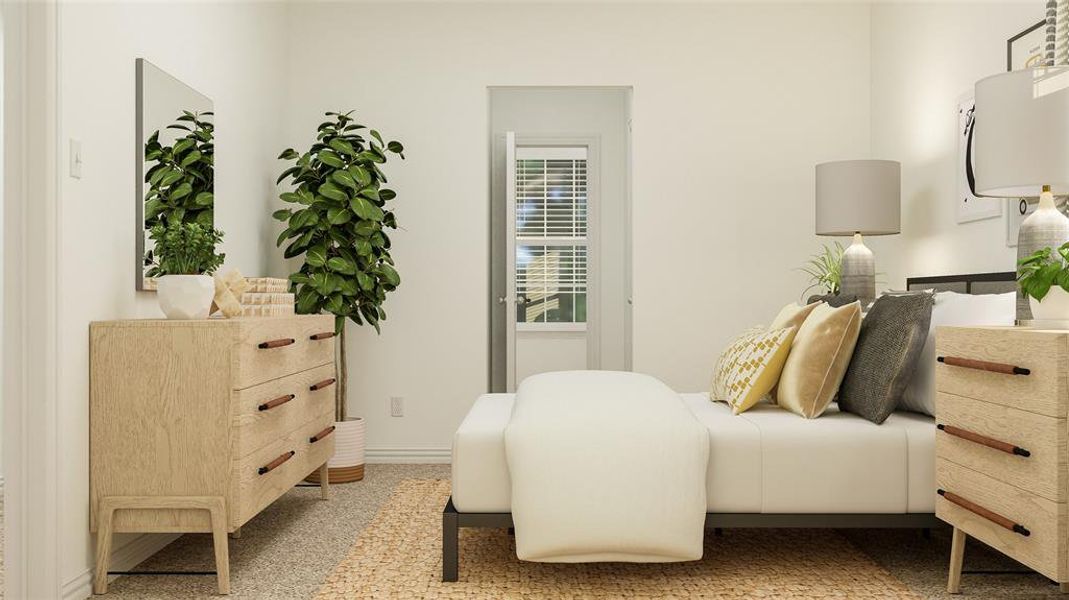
{"x":765,"y":461}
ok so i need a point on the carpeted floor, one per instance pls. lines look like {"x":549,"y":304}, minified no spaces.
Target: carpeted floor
{"x":291,"y":549}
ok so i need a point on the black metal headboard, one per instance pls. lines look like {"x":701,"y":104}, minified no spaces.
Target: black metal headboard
{"x":975,"y":283}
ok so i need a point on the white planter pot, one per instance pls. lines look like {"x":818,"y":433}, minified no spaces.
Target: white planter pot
{"x":347,"y":464}
{"x":1053,"y":307}
{"x":186,"y":296}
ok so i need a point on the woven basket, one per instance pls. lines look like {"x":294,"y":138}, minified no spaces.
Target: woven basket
{"x":347,"y":464}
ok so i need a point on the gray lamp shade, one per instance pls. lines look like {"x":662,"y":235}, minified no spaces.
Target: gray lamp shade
{"x":1021,"y":139}
{"x":859,"y":196}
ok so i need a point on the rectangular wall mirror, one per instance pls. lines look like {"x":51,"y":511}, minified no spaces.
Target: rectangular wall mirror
{"x":175,"y":159}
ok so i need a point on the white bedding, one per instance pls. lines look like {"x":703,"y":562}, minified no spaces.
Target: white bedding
{"x":765,"y":460}
{"x":588,"y":451}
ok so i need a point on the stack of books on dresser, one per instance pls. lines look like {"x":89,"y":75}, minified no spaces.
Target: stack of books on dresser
{"x":267,"y":297}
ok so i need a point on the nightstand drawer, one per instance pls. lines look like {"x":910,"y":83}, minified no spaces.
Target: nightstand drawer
{"x":980,"y":363}
{"x":1025,"y":449}
{"x":273,"y":347}
{"x":266,"y":412}
{"x":992,"y":507}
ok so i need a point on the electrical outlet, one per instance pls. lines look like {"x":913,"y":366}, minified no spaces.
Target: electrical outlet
{"x":397,"y":406}
{"x":76,"y":159}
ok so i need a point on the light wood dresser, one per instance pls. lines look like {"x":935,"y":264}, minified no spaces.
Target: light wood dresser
{"x":196,"y":426}
{"x":1001,"y":449}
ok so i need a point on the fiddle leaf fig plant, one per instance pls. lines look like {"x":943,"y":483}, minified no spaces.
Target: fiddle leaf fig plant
{"x":181,"y":182}
{"x":339,"y":222}
{"x":1044,"y":269}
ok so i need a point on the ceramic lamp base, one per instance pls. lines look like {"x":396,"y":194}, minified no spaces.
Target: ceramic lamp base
{"x":859,"y":273}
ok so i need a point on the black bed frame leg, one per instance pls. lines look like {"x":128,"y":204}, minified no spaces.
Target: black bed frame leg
{"x":450,"y":545}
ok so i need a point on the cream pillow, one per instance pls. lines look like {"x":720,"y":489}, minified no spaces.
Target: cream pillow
{"x":818,"y":359}
{"x":750,"y":366}
{"x":792,"y":315}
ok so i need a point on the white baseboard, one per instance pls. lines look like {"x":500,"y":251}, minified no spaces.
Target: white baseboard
{"x":122,"y":559}
{"x":408,"y":455}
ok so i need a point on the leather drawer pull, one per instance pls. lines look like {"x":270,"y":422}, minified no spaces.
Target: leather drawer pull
{"x":276,"y":343}
{"x":276,"y":402}
{"x":322,"y":336}
{"x":976,"y":438}
{"x":322,"y":384}
{"x":271,"y":466}
{"x":322,"y":434}
{"x":983,"y":365}
{"x":995,"y":518}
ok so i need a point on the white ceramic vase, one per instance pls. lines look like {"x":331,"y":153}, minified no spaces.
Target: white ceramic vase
{"x":186,"y":296}
{"x":1053,"y":307}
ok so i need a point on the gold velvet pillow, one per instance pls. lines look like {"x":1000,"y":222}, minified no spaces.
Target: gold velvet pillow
{"x":750,"y":366}
{"x":792,"y":315}
{"x":818,"y":360}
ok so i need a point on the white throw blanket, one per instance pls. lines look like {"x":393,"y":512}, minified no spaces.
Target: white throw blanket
{"x":605,"y":466}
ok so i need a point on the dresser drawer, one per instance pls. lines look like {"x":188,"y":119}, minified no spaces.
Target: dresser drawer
{"x":264,"y":475}
{"x":272,"y":410}
{"x":1044,"y":546}
{"x":1043,"y":354}
{"x":1029,"y":449}
{"x":271,"y":347}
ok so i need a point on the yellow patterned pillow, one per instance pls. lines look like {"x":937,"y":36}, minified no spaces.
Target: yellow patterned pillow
{"x":749,"y":367}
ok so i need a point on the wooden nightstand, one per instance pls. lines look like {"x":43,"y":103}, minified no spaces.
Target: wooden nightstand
{"x":1001,"y":449}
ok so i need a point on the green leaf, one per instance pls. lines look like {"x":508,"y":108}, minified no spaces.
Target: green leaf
{"x":341,"y":265}
{"x":342,"y":146}
{"x":330,"y":158}
{"x":338,"y":216}
{"x":181,"y":191}
{"x":288,"y":172}
{"x":183,"y":145}
{"x":316,"y":256}
{"x":390,"y":275}
{"x":204,"y":199}
{"x":387,"y":194}
{"x":288,"y":154}
{"x":335,"y":303}
{"x":361,"y":175}
{"x":333,"y":192}
{"x":170,"y":177}
{"x":191,"y":158}
{"x":282,"y":215}
{"x":345,"y":178}
{"x":290,"y":197}
{"x":396,"y":147}
{"x":365,"y":209}
{"x":365,"y":281}
{"x":370,"y":193}
{"x":205,"y":218}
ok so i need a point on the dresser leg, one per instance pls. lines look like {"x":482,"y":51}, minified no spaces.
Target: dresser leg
{"x":236,"y":534}
{"x":103,"y":551}
{"x":324,"y":481}
{"x":957,"y":555}
{"x":222,"y":556}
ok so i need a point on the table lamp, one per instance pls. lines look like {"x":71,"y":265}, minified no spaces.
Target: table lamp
{"x":859,"y":197}
{"x":1021,"y":150}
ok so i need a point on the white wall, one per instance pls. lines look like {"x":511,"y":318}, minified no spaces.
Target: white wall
{"x":924,"y":56}
{"x":233,"y":53}
{"x":733,"y":105}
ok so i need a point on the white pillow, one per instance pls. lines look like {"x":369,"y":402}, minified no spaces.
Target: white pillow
{"x":952,"y":308}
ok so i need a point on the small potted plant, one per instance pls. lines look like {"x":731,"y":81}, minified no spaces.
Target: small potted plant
{"x":184,"y":260}
{"x":1044,"y":278}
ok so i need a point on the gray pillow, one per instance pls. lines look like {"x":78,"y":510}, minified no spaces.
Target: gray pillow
{"x":833,"y":300}
{"x":888,"y":349}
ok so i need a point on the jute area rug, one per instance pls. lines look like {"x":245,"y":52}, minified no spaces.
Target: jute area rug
{"x":398,"y":556}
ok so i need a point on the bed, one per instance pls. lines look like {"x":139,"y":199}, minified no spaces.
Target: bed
{"x":762,"y":464}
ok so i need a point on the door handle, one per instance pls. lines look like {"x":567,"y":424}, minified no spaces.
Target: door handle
{"x":502,"y":299}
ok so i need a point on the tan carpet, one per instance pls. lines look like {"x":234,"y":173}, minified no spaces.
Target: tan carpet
{"x":399,"y":556}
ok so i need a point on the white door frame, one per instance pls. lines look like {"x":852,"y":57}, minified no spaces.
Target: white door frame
{"x":592,"y":143}
{"x":30,"y":297}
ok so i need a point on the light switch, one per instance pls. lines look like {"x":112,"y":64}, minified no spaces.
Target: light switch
{"x":76,"y":159}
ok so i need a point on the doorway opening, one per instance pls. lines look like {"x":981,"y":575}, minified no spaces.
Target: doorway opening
{"x":560,"y":231}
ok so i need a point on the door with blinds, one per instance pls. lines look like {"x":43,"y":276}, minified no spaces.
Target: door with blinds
{"x":550,"y":314}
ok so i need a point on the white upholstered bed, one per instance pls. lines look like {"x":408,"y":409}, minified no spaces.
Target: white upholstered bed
{"x":766,"y":467}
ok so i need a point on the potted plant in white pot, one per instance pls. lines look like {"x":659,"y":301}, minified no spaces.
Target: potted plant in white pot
{"x":1044,"y":278}
{"x":183,"y":261}
{"x":338,"y":225}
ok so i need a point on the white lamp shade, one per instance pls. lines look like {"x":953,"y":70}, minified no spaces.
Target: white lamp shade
{"x":1021,"y":139}
{"x":859,"y":196}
